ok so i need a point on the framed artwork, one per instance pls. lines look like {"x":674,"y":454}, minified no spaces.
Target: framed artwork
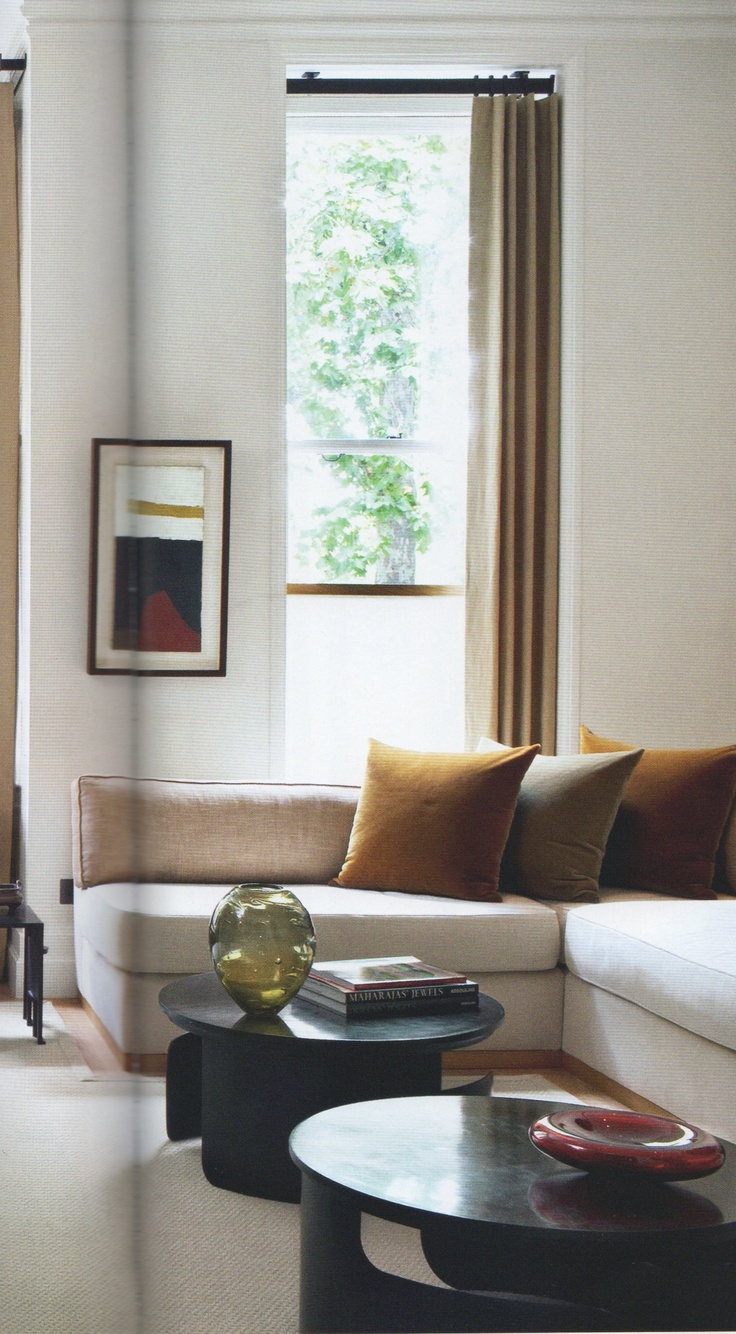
{"x":159,"y":557}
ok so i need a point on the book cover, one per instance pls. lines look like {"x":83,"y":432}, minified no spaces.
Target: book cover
{"x":373,"y":995}
{"x":384,"y":1009}
{"x":390,"y":971}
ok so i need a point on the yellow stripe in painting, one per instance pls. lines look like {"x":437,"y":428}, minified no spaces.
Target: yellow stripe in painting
{"x":170,"y":511}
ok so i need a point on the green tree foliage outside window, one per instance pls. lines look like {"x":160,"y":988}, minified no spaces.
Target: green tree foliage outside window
{"x":353,"y":312}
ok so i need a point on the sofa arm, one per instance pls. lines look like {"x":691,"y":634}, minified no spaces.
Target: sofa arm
{"x":102,"y":830}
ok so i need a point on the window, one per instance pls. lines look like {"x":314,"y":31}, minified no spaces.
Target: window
{"x":377,"y":434}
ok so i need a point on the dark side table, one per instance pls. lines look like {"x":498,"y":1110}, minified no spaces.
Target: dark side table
{"x":243,"y":1082}
{"x":24,"y":919}
{"x":523,"y":1242}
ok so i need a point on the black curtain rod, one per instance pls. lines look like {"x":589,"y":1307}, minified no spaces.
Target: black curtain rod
{"x":518,"y":82}
{"x":16,"y":66}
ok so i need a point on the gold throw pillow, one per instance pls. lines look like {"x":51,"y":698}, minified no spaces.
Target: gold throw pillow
{"x":433,"y":823}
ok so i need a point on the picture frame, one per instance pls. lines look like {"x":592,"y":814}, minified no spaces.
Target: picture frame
{"x":159,"y":551}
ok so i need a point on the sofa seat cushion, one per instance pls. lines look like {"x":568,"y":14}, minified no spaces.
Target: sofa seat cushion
{"x":563,"y":908}
{"x":162,"y":928}
{"x":676,"y":959}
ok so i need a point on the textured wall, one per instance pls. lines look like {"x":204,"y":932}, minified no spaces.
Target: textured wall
{"x":74,"y":297}
{"x":658,"y":445}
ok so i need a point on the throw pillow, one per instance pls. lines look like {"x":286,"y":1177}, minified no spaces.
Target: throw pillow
{"x":564,"y":814}
{"x":666,"y":834}
{"x":724,"y":880}
{"x":433,"y":823}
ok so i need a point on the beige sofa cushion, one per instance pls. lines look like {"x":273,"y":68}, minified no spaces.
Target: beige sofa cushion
{"x":674,"y":958}
{"x":202,"y":833}
{"x":162,"y":928}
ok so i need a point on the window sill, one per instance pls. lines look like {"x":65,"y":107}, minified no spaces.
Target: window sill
{"x":377,"y":590}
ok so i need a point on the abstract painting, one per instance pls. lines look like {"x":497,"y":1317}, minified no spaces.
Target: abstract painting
{"x":159,"y":557}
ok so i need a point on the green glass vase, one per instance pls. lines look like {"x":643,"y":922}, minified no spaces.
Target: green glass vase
{"x":262,"y":945}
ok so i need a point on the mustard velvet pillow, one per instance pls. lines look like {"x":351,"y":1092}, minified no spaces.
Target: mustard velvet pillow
{"x":672,"y":815}
{"x":433,"y":823}
{"x":564,"y":814}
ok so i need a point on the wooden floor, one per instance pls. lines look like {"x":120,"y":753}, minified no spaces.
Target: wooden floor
{"x":585,"y":1084}
{"x":99,"y":1056}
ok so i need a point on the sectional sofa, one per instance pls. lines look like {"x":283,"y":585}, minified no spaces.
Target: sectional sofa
{"x":639,"y":986}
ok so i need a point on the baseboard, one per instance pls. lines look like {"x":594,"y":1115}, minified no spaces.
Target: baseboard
{"x":144,"y":1063}
{"x":454,"y":1062}
{"x":610,"y":1086}
{"x":470,"y":1062}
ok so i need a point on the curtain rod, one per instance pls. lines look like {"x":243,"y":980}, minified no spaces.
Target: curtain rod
{"x":518,"y":82}
{"x":15,"y":66}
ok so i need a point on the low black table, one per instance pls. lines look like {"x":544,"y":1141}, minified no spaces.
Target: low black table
{"x":497,"y":1217}
{"x":243,"y":1083}
{"x":24,"y":919}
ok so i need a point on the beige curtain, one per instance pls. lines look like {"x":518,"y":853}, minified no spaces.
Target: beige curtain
{"x":512,"y":566}
{"x":9,"y":413}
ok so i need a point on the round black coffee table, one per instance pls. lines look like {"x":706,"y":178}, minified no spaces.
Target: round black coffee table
{"x":566,"y":1250}
{"x":243,"y":1083}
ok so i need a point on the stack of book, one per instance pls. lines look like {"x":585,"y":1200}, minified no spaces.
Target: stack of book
{"x":10,"y":896}
{"x":377,"y":988}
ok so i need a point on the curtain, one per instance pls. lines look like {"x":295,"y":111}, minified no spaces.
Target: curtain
{"x":513,"y":464}
{"x":9,"y":414}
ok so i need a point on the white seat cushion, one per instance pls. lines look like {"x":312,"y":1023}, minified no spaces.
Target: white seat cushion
{"x":675,"y":958}
{"x":563,"y":910}
{"x":162,"y":928}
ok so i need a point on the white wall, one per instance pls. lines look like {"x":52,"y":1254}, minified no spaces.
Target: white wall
{"x":209,"y":135}
{"x":649,"y":142}
{"x":658,"y":446}
{"x":75,"y":386}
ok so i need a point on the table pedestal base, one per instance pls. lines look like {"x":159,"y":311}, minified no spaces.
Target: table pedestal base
{"x":341,"y":1292}
{"x":245,"y":1100}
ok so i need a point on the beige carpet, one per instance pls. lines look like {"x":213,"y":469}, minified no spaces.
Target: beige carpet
{"x":107,"y":1228}
{"x":19,"y":1050}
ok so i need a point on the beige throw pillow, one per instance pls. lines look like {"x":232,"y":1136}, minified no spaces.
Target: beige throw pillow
{"x":433,"y":823}
{"x":564,"y":814}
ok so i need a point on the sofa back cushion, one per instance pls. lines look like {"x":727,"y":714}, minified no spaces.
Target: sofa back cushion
{"x":158,"y":830}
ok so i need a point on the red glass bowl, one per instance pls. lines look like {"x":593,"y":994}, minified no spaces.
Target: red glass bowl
{"x":607,"y":1140}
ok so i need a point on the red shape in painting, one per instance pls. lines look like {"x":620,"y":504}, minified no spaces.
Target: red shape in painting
{"x":162,"y":629}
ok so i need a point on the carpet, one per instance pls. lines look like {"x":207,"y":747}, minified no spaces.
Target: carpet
{"x":530,"y":1086}
{"x":20,"y":1051}
{"x":107,"y":1228}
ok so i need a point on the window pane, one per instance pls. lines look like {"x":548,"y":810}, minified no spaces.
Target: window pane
{"x":391,"y":668}
{"x":377,"y":347}
{"x":333,"y":535}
